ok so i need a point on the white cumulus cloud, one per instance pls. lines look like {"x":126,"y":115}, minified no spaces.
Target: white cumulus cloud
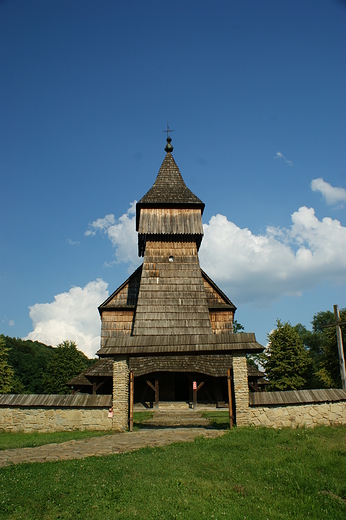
{"x":73,"y":315}
{"x":263,"y":268}
{"x":121,"y":232}
{"x":332,"y":195}
{"x":250,"y":268}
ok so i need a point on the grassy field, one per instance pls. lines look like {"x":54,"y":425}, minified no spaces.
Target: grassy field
{"x":247,"y":473}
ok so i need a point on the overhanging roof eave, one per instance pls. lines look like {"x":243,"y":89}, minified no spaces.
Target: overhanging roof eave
{"x":180,"y":344}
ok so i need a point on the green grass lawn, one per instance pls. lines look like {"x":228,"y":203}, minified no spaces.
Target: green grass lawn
{"x":219,"y":420}
{"x":248,"y":473}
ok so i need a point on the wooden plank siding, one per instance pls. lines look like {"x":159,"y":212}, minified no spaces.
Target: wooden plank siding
{"x":126,"y":294}
{"x":221,"y":321}
{"x":170,"y":221}
{"x":177,"y":285}
{"x":175,"y":305}
{"x":115,"y":323}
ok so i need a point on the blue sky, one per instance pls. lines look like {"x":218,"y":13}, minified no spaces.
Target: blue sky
{"x":255,"y":93}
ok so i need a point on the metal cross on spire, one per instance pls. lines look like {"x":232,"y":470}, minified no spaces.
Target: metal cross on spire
{"x":168,"y":130}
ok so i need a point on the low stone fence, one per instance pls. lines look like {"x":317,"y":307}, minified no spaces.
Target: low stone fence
{"x":297,"y":408}
{"x":52,"y":413}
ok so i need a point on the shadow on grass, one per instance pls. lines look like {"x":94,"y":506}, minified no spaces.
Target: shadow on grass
{"x":218,"y":420}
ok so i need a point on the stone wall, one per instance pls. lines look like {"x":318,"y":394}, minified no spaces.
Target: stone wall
{"x":53,"y":419}
{"x":51,"y":413}
{"x":121,"y":381}
{"x":294,"y":408}
{"x":241,"y":389}
{"x":309,"y":415}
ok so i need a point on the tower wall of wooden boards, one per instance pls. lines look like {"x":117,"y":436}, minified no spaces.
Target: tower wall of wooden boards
{"x":169,"y":296}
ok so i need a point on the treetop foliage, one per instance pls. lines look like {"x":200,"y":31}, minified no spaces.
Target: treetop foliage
{"x":237,"y":327}
{"x":35,"y":365}
{"x":67,"y":362}
{"x":323,"y":350}
{"x":6,"y":371}
{"x":285,"y":360}
{"x":300,"y":358}
{"x":29,"y":360}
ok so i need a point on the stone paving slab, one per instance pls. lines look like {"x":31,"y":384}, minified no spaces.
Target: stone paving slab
{"x":176,"y":419}
{"x":107,"y":445}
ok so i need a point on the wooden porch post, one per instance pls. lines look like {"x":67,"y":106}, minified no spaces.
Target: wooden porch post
{"x":230,"y":403}
{"x":194,"y":393}
{"x":131,"y":399}
{"x":157,"y":399}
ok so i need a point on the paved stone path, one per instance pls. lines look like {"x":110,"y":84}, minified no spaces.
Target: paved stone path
{"x":162,"y":429}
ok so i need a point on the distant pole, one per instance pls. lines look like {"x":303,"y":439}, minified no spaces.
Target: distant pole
{"x":340,"y":346}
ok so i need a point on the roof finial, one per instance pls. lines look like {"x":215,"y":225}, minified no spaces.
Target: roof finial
{"x":168,"y":147}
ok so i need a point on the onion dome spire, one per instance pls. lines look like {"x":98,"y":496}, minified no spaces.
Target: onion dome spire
{"x":168,"y":147}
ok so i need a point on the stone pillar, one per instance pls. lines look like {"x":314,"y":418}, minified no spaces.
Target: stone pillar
{"x":121,"y":380}
{"x":241,"y":389}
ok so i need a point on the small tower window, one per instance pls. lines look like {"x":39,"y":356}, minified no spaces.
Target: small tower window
{"x":171,"y":259}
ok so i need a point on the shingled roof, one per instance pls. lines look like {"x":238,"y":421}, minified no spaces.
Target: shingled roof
{"x":169,"y":189}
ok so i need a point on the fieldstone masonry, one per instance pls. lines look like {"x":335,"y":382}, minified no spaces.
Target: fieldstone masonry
{"x":298,"y":415}
{"x":241,"y":389}
{"x":29,"y":419}
{"x":121,"y":381}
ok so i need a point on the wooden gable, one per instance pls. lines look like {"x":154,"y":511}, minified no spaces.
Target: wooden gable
{"x":118,"y":311}
{"x":221,"y":309}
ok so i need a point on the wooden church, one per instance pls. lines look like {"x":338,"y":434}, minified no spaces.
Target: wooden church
{"x":167,"y":331}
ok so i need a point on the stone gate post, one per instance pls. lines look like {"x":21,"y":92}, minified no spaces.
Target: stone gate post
{"x":121,"y":379}
{"x":241,"y":389}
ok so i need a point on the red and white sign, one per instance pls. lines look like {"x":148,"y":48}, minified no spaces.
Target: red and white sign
{"x":194,"y":385}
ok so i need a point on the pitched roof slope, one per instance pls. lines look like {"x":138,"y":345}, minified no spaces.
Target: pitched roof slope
{"x":169,"y":187}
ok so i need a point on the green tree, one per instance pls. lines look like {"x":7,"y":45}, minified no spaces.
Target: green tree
{"x":6,"y":371}
{"x":328,"y":369}
{"x":323,"y":350}
{"x":29,"y":360}
{"x":66,"y":363}
{"x":312,"y":344}
{"x":285,"y":360}
{"x":237,"y":327}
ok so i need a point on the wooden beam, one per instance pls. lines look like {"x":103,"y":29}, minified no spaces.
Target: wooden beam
{"x":149,"y":383}
{"x":99,"y":385}
{"x":132,"y":380}
{"x":156,"y":393}
{"x":230,"y":403}
{"x":201,"y":384}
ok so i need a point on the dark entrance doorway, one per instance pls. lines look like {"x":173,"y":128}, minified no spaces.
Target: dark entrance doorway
{"x":177,"y":387}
